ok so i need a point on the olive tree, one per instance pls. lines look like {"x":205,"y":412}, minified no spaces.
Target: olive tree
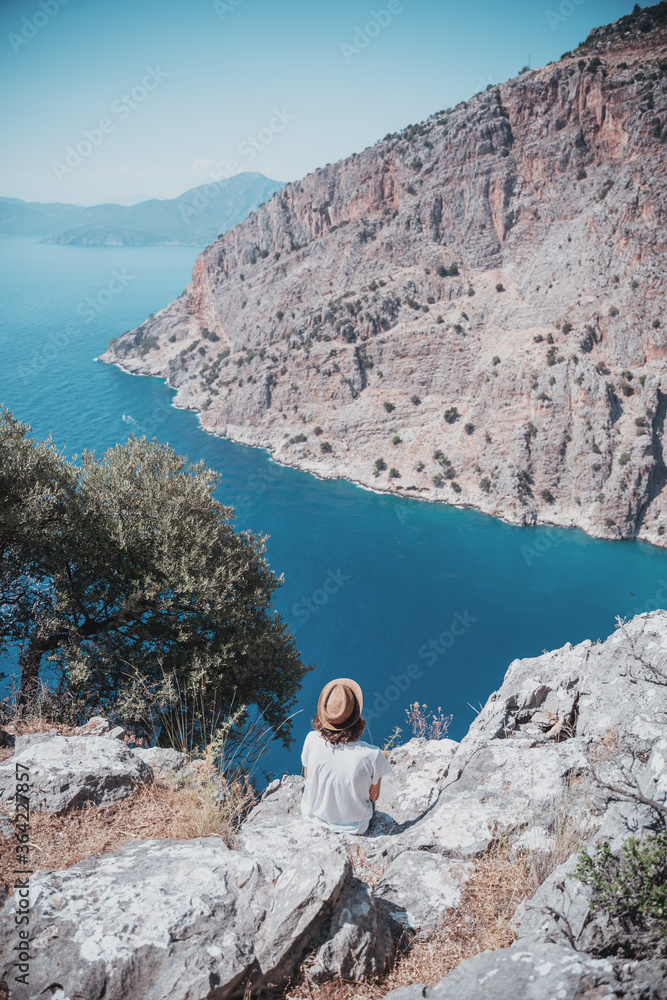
{"x":126,"y":577}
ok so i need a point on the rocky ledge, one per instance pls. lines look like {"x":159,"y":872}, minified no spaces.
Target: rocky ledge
{"x":471,"y":311}
{"x":579,"y":732}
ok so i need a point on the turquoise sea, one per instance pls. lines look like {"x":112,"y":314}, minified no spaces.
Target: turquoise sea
{"x":418,"y":602}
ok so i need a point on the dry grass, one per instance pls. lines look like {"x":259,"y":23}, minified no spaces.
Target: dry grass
{"x":608,"y":748}
{"x":482,"y":922}
{"x":161,"y":810}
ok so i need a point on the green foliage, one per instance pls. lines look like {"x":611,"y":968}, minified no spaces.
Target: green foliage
{"x":655,"y":324}
{"x":448,"y":272}
{"x":485,"y":484}
{"x":297,"y":439}
{"x":410,"y":189}
{"x":437,"y":479}
{"x":325,"y":447}
{"x":279,"y":315}
{"x":318,"y":430}
{"x":127,"y":576}
{"x":380,"y":466}
{"x":394,"y":473}
{"x":581,"y":174}
{"x":388,"y":406}
{"x":209,"y":335}
{"x":624,"y":458}
{"x":415,"y":400}
{"x":500,"y":287}
{"x":451,"y":415}
{"x":547,"y":495}
{"x":396,"y":439}
{"x":631,"y":885}
{"x":470,"y":428}
{"x":567,"y":327}
{"x":495,"y":360}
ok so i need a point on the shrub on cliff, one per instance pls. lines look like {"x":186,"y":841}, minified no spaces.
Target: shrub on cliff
{"x":631,"y":888}
{"x":127,"y":577}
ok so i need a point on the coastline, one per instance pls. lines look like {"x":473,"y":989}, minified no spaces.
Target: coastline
{"x":395,"y":492}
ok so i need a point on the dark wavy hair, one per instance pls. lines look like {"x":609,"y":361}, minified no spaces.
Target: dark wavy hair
{"x":337,"y":736}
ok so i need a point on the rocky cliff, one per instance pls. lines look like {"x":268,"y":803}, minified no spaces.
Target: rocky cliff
{"x":572,"y":749}
{"x":472,"y":310}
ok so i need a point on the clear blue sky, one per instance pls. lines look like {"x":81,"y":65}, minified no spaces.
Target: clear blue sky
{"x":229,"y":65}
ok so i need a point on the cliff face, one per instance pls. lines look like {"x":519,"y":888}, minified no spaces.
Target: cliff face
{"x":472,"y":310}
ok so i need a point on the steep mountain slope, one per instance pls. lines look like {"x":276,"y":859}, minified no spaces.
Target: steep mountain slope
{"x":472,"y":310}
{"x":194,"y":218}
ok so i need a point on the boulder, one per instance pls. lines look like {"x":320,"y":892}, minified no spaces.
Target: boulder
{"x":532,"y":971}
{"x":281,"y":798}
{"x":419,"y":888}
{"x":68,"y":771}
{"x":507,"y":786}
{"x":174,"y":919}
{"x":357,"y":941}
{"x":97,"y":726}
{"x":162,"y":760}
{"x":420,"y":768}
{"x":611,"y":689}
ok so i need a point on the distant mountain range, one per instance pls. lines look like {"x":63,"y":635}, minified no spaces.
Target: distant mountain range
{"x":195,"y":218}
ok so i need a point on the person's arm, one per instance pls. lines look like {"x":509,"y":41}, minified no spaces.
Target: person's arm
{"x":375,"y":791}
{"x":305,"y":772}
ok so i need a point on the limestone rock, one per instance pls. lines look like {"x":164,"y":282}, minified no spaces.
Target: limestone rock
{"x":420,"y":888}
{"x":281,"y":798}
{"x":506,"y":786}
{"x":610,"y":692}
{"x":542,"y":972}
{"x":97,"y":726}
{"x":68,"y":771}
{"x":358,"y":939}
{"x":420,"y":768}
{"x":170,"y":920}
{"x":162,"y":760}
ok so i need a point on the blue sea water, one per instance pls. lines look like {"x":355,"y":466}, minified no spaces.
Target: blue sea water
{"x":419,"y":602}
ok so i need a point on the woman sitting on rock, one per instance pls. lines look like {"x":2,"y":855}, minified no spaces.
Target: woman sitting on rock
{"x":343,"y":773}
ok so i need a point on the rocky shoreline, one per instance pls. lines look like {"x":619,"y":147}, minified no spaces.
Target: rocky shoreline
{"x":471,"y":311}
{"x":571,"y":750}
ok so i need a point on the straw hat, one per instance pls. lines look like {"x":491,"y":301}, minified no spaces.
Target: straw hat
{"x":340,"y":704}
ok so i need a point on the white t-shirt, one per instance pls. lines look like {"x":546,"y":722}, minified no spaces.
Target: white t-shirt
{"x":337,"y":788}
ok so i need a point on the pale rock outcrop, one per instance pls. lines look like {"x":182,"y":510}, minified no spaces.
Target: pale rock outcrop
{"x":292,"y":892}
{"x":162,"y":760}
{"x":69,"y":771}
{"x":174,"y":919}
{"x":530,"y":971}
